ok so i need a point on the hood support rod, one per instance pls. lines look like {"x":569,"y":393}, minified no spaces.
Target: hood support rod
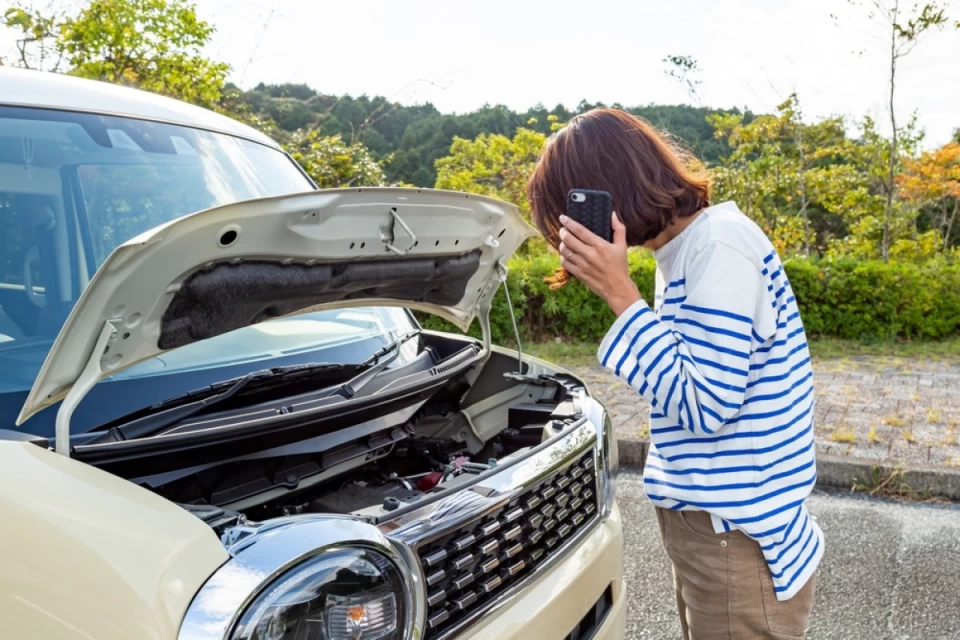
{"x":87,"y":379}
{"x":502,"y":277}
{"x":502,"y":270}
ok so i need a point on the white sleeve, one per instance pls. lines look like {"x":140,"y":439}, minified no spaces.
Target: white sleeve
{"x":696,"y":372}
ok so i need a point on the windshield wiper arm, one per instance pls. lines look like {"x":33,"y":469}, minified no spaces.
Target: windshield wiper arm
{"x":373,"y":366}
{"x":153,"y":422}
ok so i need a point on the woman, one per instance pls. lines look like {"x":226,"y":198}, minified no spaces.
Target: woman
{"x":720,"y":355}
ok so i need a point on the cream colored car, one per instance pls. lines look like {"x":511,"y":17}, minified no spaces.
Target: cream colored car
{"x":220,"y":419}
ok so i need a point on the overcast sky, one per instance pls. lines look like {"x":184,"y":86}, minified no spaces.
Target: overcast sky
{"x":460,"y":54}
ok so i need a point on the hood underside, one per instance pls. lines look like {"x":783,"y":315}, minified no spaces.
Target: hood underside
{"x":225,"y":268}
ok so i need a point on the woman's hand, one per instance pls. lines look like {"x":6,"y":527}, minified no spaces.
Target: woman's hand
{"x":600,"y":265}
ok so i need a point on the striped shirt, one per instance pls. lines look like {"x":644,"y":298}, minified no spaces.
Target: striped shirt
{"x":722,"y":359}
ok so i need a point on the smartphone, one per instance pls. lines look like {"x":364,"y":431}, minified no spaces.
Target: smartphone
{"x":593,"y":209}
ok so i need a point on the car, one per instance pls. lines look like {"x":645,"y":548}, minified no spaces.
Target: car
{"x":220,"y":417}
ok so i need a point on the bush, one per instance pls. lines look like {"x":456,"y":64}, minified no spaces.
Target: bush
{"x":572,"y":312}
{"x":839,"y":298}
{"x":873,"y":300}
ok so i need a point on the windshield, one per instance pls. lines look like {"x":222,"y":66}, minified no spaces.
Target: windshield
{"x":74,"y":186}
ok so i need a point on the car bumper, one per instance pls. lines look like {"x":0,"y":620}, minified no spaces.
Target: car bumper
{"x":553,"y":605}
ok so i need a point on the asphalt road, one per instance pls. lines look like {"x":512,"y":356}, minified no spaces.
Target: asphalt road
{"x":891,"y":570}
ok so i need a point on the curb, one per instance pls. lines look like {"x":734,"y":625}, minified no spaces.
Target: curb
{"x":633,"y":454}
{"x":836,"y":472}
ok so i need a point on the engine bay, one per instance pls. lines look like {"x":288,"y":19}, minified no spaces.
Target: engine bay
{"x":476,"y":421}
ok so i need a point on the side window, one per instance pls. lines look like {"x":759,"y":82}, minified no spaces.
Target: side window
{"x":124,"y":200}
{"x":22,"y":290}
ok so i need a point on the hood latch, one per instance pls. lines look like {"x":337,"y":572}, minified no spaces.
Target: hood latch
{"x":388,"y":234}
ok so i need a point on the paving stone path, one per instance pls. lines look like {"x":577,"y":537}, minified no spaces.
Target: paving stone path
{"x":878,"y":409}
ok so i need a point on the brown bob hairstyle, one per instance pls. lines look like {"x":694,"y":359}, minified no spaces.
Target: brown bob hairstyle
{"x":648,"y":177}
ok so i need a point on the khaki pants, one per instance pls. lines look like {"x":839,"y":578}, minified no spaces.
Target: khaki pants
{"x":723,"y":585}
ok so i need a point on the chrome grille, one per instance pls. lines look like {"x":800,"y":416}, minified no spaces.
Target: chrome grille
{"x":465,"y":569}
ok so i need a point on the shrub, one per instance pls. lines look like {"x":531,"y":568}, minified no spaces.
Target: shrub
{"x":873,"y":300}
{"x":866,"y":300}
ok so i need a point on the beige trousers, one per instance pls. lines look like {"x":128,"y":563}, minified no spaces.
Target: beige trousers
{"x":723,"y":586}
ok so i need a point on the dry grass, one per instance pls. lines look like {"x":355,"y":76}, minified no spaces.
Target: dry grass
{"x":950,"y":437}
{"x":934,"y":416}
{"x":873,"y":437}
{"x":890,"y":483}
{"x":843,"y":434}
{"x":908,"y":436}
{"x":894,"y":420}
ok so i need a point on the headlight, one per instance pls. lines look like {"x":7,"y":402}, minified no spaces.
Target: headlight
{"x":310,"y":577}
{"x":347,"y":594}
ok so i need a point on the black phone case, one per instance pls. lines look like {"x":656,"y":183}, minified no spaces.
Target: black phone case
{"x":594,"y":212}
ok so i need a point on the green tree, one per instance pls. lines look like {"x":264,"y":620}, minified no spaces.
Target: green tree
{"x":782,"y":172}
{"x":492,"y":165}
{"x":862,"y":199}
{"x":684,"y":70}
{"x":813,"y":189}
{"x":333,"y":163}
{"x":156,"y":45}
{"x":418,"y":135}
{"x":36,"y":37}
{"x":905,"y":26}
{"x":153,"y":44}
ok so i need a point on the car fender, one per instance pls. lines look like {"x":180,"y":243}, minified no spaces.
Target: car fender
{"x":89,"y":555}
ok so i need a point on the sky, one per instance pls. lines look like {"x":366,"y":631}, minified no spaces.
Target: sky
{"x":461,"y":54}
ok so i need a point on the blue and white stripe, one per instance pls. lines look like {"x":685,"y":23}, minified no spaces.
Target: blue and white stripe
{"x":723,"y":361}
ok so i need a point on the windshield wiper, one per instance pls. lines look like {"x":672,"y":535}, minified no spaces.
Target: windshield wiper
{"x":372,"y":367}
{"x":153,"y":422}
{"x":164,"y":418}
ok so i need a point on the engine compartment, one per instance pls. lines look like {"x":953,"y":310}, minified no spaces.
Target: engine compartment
{"x":475,"y":421}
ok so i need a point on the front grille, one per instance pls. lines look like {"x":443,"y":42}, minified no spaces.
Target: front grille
{"x":466,"y":568}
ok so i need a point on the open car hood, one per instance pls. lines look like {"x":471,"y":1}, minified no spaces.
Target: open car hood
{"x":229,"y":267}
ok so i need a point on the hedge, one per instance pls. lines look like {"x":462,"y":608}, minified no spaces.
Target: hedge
{"x":842,"y":299}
